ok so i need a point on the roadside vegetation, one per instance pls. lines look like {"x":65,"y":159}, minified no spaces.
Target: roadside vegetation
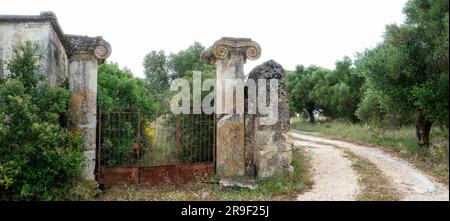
{"x":402,"y":81}
{"x":398,"y":140}
{"x":394,"y":95}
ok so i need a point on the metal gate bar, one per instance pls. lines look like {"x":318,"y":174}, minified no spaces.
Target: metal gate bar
{"x":155,"y":150}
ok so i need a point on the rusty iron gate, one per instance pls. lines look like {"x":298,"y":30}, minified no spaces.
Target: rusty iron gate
{"x":162,"y":149}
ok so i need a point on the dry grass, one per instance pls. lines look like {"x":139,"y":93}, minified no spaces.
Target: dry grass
{"x":374,"y":185}
{"x":398,"y":141}
{"x":285,"y":187}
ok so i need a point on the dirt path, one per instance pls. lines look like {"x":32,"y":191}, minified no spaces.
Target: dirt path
{"x":409,"y":181}
{"x":332,"y":181}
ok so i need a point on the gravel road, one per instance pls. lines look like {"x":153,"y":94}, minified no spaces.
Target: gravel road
{"x":335,"y":179}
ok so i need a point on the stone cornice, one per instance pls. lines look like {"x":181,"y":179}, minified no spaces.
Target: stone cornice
{"x":74,"y":44}
{"x":43,"y":17}
{"x":90,"y":46}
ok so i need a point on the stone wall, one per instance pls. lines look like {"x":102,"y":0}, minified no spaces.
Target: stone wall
{"x":13,"y":32}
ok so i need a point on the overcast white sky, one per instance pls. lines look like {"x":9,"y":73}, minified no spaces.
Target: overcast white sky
{"x":290,"y":32}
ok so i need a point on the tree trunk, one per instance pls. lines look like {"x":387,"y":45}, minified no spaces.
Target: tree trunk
{"x":311,"y":115}
{"x":423,"y":127}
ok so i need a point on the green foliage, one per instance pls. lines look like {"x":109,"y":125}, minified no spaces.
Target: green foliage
{"x":126,"y":102}
{"x":386,"y":77}
{"x":184,"y":62}
{"x":403,"y":77}
{"x":117,"y":147}
{"x":299,"y":85}
{"x":25,"y":69}
{"x":157,"y":71}
{"x":432,"y":97}
{"x":119,"y":89}
{"x":160,"y":70}
{"x":409,"y":69}
{"x":38,"y":158}
{"x":336,"y":93}
{"x":370,"y":109}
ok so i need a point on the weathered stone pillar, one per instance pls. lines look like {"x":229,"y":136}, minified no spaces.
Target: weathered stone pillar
{"x":85,"y":53}
{"x":230,"y":55}
{"x":266,"y":145}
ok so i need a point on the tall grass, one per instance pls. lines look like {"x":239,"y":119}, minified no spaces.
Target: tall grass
{"x":400,"y":140}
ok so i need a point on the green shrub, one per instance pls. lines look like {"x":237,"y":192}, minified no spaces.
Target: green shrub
{"x":39,"y":159}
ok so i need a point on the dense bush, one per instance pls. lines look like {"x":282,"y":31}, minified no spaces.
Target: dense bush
{"x":39,"y":160}
{"x":161,"y":70}
{"x":335,"y":93}
{"x":118,"y":89}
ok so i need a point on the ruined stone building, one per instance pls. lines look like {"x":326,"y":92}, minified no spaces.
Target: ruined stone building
{"x":65,"y":57}
{"x":42,"y":29}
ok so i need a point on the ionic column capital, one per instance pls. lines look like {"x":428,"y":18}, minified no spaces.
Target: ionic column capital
{"x":226,"y":46}
{"x":87,"y":47}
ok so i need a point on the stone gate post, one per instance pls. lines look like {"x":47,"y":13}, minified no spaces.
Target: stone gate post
{"x":229,"y":55}
{"x":85,"y":53}
{"x":267,"y":146}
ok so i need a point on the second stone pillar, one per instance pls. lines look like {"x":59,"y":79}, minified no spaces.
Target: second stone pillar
{"x":229,"y":55}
